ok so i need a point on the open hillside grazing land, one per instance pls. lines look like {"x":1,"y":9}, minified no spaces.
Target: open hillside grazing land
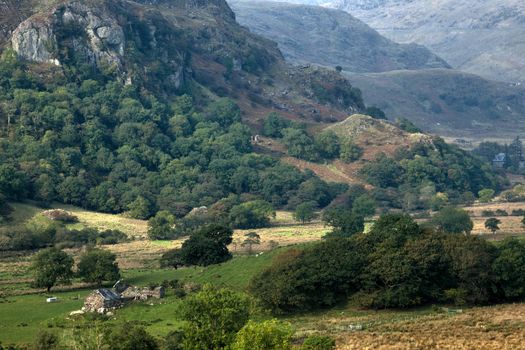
{"x":24,"y":311}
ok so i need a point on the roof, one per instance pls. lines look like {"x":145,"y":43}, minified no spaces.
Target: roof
{"x":500,"y":157}
{"x":108,"y":294}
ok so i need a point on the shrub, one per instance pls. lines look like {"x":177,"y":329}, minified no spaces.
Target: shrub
{"x":129,"y":337}
{"x":266,"y":335}
{"x":213,"y":318}
{"x":318,"y":342}
{"x":254,"y":214}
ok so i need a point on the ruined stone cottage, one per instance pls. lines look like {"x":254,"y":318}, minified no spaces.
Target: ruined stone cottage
{"x":102,"y":300}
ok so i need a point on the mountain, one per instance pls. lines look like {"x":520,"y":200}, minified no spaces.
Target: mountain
{"x":444,"y":101}
{"x":141,"y":106}
{"x":330,"y":38}
{"x":447,"y":102}
{"x":480,"y":37}
{"x":170,"y":46}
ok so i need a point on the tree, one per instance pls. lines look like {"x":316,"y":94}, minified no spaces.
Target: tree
{"x":274,"y":124}
{"x":299,"y":144}
{"x":251,"y":239}
{"x":225,"y":112}
{"x":161,"y":226}
{"x":213,"y":318}
{"x":350,"y":152}
{"x":305,"y":212}
{"x":453,"y":220}
{"x":327,"y":144}
{"x":254,"y":214}
{"x":51,"y":266}
{"x":97,"y":266}
{"x":509,"y":266}
{"x":364,"y":206}
{"x":207,"y":246}
{"x":140,"y":208}
{"x":317,"y":277}
{"x":345,"y":223}
{"x":485,"y":195}
{"x":266,"y":335}
{"x":129,"y":337}
{"x":492,"y":224}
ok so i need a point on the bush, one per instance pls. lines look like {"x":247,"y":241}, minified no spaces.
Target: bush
{"x":213,"y":318}
{"x":518,"y":212}
{"x":318,"y":342}
{"x":254,"y":214}
{"x":266,"y":335}
{"x":129,"y":337}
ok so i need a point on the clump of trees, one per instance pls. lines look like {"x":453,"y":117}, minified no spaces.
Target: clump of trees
{"x":396,"y":264}
{"x":56,"y":234}
{"x":53,"y":266}
{"x":207,"y":246}
{"x":430,"y":176}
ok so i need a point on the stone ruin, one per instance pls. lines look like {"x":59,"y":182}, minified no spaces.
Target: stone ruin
{"x":104,"y":300}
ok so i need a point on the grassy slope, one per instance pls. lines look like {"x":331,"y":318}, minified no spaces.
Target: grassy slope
{"x":22,"y":316}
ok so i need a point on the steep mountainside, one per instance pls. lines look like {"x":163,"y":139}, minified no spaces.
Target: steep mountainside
{"x":196,"y":42}
{"x":447,"y":102}
{"x":481,"y":37}
{"x":141,"y":106}
{"x":330,"y":38}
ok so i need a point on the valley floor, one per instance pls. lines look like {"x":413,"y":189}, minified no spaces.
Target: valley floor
{"x":24,"y":311}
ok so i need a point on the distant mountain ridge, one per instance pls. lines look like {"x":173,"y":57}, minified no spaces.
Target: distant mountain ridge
{"x":444,"y":101}
{"x":330,"y":38}
{"x":480,"y":37}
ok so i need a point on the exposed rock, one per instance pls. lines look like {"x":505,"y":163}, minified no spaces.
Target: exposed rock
{"x":101,"y":301}
{"x":95,"y":34}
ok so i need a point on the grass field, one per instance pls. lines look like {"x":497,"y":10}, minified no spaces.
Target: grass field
{"x":23,"y":311}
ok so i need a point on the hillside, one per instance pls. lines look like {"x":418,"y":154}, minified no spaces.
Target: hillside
{"x":479,"y":37}
{"x":125,"y":38}
{"x":326,"y":37}
{"x":443,"y":101}
{"x":113,"y":105}
{"x":447,"y":102}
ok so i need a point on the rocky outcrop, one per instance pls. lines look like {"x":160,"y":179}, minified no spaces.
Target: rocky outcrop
{"x":93,"y":33}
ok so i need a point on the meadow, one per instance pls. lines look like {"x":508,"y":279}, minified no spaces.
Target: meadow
{"x":24,"y":311}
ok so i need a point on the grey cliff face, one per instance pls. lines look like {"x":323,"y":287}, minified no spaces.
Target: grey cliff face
{"x":36,"y":38}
